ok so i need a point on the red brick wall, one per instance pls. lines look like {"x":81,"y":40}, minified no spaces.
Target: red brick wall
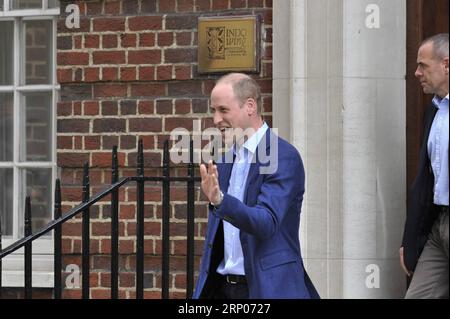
{"x":130,"y":72}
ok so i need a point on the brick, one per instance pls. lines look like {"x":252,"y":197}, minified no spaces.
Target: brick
{"x":127,"y":279}
{"x":94,"y":8}
{"x":110,"y":108}
{"x":180,"y":55}
{"x":71,"y":229}
{"x":128,"y":107}
{"x":268,"y":35}
{"x":185,"y":5}
{"x":90,"y":108}
{"x":267,"y":104}
{"x":164,"y":72}
{"x":144,"y":57}
{"x":148,"y":142}
{"x":72,"y":58}
{"x":78,"y":142}
{"x":255,"y":3}
{"x":128,"y":40}
{"x":108,"y":57}
{"x":267,"y":70}
{"x":77,"y":42}
{"x":127,"y":142}
{"x":64,"y":43}
{"x":64,"y":142}
{"x":268,"y":3}
{"x":186,"y":22}
{"x":64,"y":75}
{"x":150,"y":159}
{"x":146,"y":73}
{"x":182,"y":72}
{"x":148,"y":6}
{"x":92,"y":74}
{"x":112,"y":7}
{"x":165,"y":39}
{"x":164,"y":107}
{"x":145,"y":124}
{"x":185,"y":88}
{"x":145,"y":23}
{"x":199,"y":105}
{"x":72,"y":160}
{"x":78,"y":75}
{"x":266,"y":85}
{"x":219,"y":4}
{"x":109,"y":125}
{"x":236,"y":4}
{"x":177,"y":122}
{"x":109,"y":41}
{"x":109,"y":24}
{"x":130,"y":6}
{"x":109,"y":74}
{"x":73,"y":126}
{"x":146,"y":107}
{"x":146,"y":39}
{"x":104,"y":159}
{"x":126,"y":246}
{"x":92,"y":142}
{"x":110,"y":90}
{"x":182,"y":106}
{"x":183,"y":38}
{"x":150,"y":89}
{"x":203,"y":5}
{"x":109,"y":141}
{"x":97,"y":293}
{"x":91,"y":41}
{"x":128,"y":74}
{"x":166,"y":5}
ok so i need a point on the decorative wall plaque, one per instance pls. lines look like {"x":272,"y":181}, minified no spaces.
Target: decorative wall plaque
{"x":228,"y":44}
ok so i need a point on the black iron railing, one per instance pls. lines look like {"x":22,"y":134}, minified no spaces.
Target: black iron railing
{"x":84,"y":209}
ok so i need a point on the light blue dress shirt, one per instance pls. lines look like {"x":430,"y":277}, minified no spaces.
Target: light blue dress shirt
{"x":233,"y":262}
{"x":438,"y":150}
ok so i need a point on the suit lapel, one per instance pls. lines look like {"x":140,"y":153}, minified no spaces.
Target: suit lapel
{"x":430,"y":114}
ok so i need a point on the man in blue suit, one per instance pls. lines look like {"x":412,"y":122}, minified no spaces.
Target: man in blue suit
{"x":252,"y":247}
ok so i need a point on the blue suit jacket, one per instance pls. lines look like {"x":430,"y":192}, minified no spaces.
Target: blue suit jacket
{"x":269,"y":221}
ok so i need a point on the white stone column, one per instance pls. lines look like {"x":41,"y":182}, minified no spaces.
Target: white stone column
{"x":339,"y":97}
{"x":374,"y":148}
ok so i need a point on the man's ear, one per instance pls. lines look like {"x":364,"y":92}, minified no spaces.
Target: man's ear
{"x":252,"y":108}
{"x":445,"y":61}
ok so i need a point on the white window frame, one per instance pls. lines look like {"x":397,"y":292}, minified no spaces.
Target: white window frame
{"x":13,"y":275}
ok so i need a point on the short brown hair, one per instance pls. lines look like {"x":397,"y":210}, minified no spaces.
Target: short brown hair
{"x":244,"y":87}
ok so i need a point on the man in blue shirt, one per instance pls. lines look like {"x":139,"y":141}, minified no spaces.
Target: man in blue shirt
{"x":252,"y":247}
{"x":424,"y":251}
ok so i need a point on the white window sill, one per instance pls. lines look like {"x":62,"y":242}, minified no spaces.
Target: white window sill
{"x":13,"y":274}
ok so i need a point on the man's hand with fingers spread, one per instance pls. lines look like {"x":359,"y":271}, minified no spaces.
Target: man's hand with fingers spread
{"x":210,"y":183}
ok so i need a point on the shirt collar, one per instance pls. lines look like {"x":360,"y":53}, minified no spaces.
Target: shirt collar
{"x":252,"y":143}
{"x":439,"y":103}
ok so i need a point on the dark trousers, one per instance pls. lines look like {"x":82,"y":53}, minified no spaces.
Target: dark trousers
{"x":227,"y":290}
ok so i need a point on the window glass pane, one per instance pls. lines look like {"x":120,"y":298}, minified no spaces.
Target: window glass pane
{"x":6,"y":201}
{"x":38,"y":52}
{"x":36,"y":183}
{"x":6,"y":52}
{"x":53,"y":4}
{"x":36,"y":126}
{"x":26,"y":4}
{"x":6,"y":127}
